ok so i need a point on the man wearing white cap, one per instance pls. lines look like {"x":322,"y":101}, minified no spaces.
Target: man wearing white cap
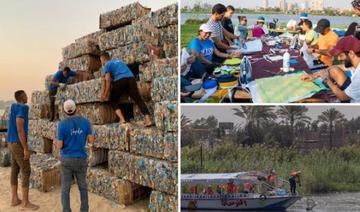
{"x":204,"y":50}
{"x":72,"y":134}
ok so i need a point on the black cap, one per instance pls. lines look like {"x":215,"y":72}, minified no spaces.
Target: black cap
{"x":322,"y":25}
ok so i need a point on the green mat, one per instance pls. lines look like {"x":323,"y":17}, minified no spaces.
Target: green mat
{"x":286,"y":88}
{"x":233,"y":61}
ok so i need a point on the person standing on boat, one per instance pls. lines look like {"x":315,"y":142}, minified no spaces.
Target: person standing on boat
{"x":293,"y":180}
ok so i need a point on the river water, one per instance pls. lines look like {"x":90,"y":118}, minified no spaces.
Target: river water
{"x":336,"y":21}
{"x":344,"y":202}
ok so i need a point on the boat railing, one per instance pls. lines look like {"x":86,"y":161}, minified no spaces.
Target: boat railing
{"x":216,"y":196}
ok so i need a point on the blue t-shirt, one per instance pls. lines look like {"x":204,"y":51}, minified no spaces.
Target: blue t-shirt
{"x":73,"y":131}
{"x":59,"y":77}
{"x":117,"y":69}
{"x":17,"y":110}
{"x":205,"y":47}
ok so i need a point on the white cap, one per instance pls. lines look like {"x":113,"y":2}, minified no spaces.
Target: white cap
{"x":69,"y":106}
{"x":205,"y":28}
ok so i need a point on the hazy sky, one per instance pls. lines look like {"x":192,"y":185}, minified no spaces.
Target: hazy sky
{"x":225,"y":113}
{"x":32,"y":34}
{"x":253,"y":4}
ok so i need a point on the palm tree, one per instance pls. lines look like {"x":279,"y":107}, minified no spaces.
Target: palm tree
{"x":255,"y":114}
{"x":293,"y":115}
{"x":329,"y":118}
{"x":255,"y":117}
{"x":185,"y":121}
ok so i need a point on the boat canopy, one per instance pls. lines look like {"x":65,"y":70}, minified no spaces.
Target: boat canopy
{"x":221,"y":177}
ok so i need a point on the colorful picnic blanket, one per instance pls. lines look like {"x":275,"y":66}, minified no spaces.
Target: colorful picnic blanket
{"x":284,"y":89}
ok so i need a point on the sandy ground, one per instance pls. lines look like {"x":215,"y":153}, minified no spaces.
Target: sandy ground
{"x":50,"y":201}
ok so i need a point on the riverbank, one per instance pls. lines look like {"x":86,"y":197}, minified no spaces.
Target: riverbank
{"x":50,"y":201}
{"x":323,"y":171}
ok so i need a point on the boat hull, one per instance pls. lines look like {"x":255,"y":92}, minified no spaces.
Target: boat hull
{"x":238,"y":203}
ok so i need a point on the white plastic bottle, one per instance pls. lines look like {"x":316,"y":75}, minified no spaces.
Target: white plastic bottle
{"x":286,"y":62}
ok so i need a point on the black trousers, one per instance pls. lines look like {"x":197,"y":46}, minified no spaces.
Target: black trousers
{"x":127,"y":86}
{"x":52,"y":96}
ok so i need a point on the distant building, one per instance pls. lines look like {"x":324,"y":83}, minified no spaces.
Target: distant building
{"x":283,"y":5}
{"x":292,"y":6}
{"x":201,"y":134}
{"x":265,"y":3}
{"x":304,"y":5}
{"x":227,"y":127}
{"x":317,"y":5}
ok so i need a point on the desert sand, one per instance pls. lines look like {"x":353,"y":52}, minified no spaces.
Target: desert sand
{"x":50,"y":201}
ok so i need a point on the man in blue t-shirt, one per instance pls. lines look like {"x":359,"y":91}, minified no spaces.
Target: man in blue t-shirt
{"x":17,"y":138}
{"x":59,"y":79}
{"x":120,"y":79}
{"x":72,"y":134}
{"x":204,"y":50}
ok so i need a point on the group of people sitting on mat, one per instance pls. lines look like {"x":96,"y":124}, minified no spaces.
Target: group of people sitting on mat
{"x":340,"y":57}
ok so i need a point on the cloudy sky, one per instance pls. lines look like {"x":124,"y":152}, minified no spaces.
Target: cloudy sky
{"x":32,"y":34}
{"x":224,"y":113}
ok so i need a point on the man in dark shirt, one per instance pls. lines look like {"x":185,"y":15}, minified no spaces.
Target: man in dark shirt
{"x":226,"y":22}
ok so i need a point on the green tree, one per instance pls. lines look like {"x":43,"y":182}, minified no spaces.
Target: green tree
{"x":329,"y":118}
{"x":293,"y":115}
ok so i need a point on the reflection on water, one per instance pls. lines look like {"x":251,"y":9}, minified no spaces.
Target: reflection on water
{"x":328,"y":203}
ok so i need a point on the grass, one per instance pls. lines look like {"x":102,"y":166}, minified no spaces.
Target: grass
{"x":188,"y":32}
{"x":322,"y":170}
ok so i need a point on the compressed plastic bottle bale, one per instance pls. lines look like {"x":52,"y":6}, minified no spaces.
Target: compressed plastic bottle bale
{"x":154,"y":173}
{"x":159,"y":68}
{"x":84,"y":63}
{"x":103,"y":183}
{"x":92,"y":36}
{"x":111,"y":136}
{"x":168,"y":34}
{"x":166,"y":16}
{"x":97,"y":157}
{"x":122,"y":16}
{"x":5,"y":157}
{"x":39,"y":111}
{"x":170,"y":49}
{"x":166,"y":116}
{"x":171,"y":147}
{"x":132,"y":53}
{"x":119,"y":163}
{"x":45,"y":172}
{"x":83,"y":76}
{"x":80,"y":48}
{"x":164,"y":89}
{"x":147,"y":141}
{"x":40,"y":97}
{"x":83,"y":92}
{"x":40,"y":144}
{"x":138,"y":116}
{"x":42,"y":128}
{"x":162,"y":202}
{"x":96,"y":113}
{"x":139,"y":31}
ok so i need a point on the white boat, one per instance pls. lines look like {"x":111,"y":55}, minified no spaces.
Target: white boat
{"x":275,"y":199}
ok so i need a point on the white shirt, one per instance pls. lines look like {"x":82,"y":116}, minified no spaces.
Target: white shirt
{"x":353,"y":90}
{"x":216,"y":28}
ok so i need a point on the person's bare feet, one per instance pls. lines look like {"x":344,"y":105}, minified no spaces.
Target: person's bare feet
{"x":147,"y":121}
{"x":15,"y":202}
{"x":29,"y":206}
